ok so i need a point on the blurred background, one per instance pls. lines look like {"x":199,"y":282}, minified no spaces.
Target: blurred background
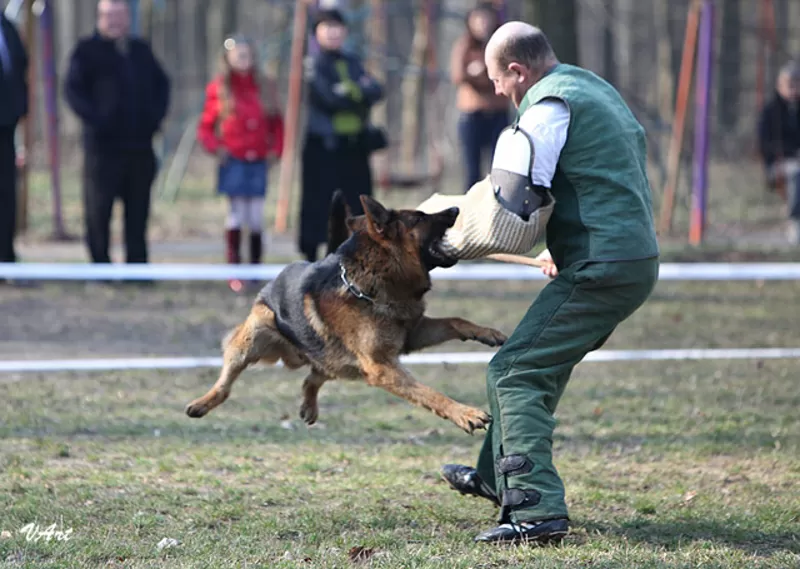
{"x":636,"y":45}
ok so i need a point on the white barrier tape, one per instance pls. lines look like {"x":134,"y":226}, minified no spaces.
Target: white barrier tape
{"x":461,"y":272}
{"x":433,"y":358}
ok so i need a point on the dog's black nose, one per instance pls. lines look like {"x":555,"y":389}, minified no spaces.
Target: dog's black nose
{"x":452,"y":211}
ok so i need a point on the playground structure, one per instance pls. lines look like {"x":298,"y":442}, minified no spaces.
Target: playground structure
{"x":423,"y":64}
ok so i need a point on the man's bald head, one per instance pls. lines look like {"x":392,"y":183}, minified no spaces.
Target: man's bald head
{"x":521,"y":43}
{"x":517,"y":56}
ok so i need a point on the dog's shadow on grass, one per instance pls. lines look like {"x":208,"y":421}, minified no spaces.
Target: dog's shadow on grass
{"x":675,"y":534}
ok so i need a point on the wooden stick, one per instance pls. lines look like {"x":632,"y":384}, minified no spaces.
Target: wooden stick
{"x":286,"y":173}
{"x":684,"y":84}
{"x":518,"y":259}
{"x":28,"y":122}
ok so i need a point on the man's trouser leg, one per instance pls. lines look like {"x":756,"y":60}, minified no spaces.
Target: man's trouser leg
{"x":8,"y":195}
{"x":794,"y":197}
{"x":140,"y":168}
{"x":573,"y":315}
{"x":102,"y":179}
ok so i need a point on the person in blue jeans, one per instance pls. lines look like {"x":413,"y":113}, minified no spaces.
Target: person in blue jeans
{"x":483,"y":114}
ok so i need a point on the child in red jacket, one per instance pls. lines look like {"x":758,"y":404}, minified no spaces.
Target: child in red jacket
{"x":242,"y":125}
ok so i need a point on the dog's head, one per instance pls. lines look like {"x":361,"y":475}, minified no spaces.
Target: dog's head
{"x":408,"y":232}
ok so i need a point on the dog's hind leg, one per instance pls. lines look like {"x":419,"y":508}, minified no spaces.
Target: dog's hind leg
{"x":394,"y":379}
{"x":433,"y":331}
{"x":309,"y":411}
{"x":256,"y":339}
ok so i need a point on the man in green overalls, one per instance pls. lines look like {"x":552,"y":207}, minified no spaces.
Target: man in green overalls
{"x":589,"y":152}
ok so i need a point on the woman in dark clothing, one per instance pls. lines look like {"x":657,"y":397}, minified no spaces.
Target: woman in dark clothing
{"x":779,"y":143}
{"x":338,"y":139}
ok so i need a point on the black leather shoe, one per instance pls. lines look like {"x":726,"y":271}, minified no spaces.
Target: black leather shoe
{"x":466,"y":480}
{"x":548,"y":531}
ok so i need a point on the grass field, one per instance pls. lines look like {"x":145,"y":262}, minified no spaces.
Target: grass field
{"x":667,"y":464}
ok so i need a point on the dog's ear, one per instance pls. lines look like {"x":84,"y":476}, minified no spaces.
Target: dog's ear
{"x":377,"y":215}
{"x":357,"y":223}
{"x":338,"y":228}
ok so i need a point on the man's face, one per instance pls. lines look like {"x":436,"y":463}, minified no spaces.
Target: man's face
{"x":789,"y":87}
{"x":113,"y":19}
{"x":331,"y":35}
{"x":508,"y":82}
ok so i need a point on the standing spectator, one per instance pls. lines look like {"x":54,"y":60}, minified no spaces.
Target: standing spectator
{"x":339,"y":138}
{"x":13,"y":106}
{"x":119,"y":90}
{"x":483,"y":113}
{"x":779,"y":142}
{"x":242,"y":124}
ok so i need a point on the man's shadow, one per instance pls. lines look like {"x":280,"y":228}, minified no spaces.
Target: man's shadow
{"x":671,"y":535}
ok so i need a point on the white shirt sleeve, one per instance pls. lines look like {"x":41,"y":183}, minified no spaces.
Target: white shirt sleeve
{"x":546,"y":123}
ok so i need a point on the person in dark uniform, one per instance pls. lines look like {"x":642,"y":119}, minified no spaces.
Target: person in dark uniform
{"x":13,"y":106}
{"x":338,"y":139}
{"x":779,"y":142}
{"x":119,"y":90}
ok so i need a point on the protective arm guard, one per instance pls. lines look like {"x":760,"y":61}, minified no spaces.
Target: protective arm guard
{"x":504,"y":212}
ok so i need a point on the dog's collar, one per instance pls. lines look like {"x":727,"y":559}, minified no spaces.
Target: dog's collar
{"x":354,"y":290}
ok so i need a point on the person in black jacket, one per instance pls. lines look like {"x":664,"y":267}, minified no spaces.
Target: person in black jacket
{"x":339,"y":138}
{"x":13,"y":106}
{"x":779,"y":142}
{"x":119,"y":90}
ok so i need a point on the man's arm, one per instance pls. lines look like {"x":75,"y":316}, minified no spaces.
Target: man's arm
{"x":767,"y":144}
{"x":161,"y":88}
{"x":321,"y":91}
{"x":546,"y":123}
{"x":20,"y":65}
{"x":371,"y":90}
{"x":77,"y":88}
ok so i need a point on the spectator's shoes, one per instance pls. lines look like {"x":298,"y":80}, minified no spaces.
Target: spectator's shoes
{"x":534,"y":533}
{"x":467,"y":481}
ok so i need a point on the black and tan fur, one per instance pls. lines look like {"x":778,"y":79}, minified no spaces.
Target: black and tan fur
{"x":309,"y":315}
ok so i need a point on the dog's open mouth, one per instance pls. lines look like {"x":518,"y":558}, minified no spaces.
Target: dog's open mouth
{"x":435,"y":250}
{"x":437,"y":254}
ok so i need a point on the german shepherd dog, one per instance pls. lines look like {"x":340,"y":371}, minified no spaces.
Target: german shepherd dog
{"x":353,"y":313}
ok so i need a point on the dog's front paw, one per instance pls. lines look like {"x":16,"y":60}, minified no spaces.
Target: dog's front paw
{"x":197,"y":409}
{"x":490,"y":337}
{"x":470,"y":419}
{"x":309,"y":411}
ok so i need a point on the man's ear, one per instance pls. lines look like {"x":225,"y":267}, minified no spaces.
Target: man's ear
{"x":377,"y":215}
{"x":517,"y":70}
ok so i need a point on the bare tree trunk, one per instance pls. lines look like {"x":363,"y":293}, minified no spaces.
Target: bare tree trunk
{"x":793,"y":39}
{"x":279,"y":21}
{"x":623,"y":45}
{"x":565,"y":25}
{"x":411,"y":91}
{"x":730,"y":62}
{"x":201,"y":33}
{"x":609,"y":45}
{"x":221,"y":21}
{"x":666,"y":78}
{"x":377,"y":34}
{"x":558,"y":20}
{"x":783,"y":27}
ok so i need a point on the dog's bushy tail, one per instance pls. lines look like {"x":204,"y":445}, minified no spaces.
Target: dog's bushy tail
{"x":338,"y":232}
